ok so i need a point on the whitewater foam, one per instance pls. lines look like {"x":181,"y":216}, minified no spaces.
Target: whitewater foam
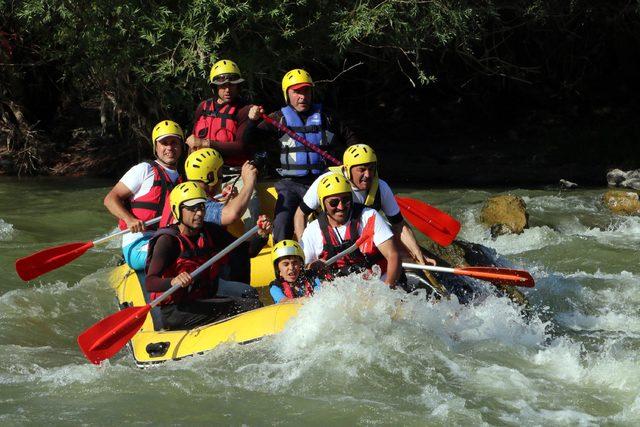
{"x":533,"y":238}
{"x":6,"y":230}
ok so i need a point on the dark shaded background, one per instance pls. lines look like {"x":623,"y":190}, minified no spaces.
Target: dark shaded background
{"x":449,"y":93}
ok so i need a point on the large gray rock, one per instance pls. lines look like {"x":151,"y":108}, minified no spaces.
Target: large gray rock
{"x":619,"y":178}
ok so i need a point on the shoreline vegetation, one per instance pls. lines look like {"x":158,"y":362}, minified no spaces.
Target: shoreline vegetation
{"x":459,"y":94}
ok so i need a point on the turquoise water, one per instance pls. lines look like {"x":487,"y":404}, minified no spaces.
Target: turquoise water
{"x":355,"y":354}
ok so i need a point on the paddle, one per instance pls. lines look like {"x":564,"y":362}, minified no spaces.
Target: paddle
{"x":439,"y":226}
{"x":434,"y":223}
{"x":109,"y":335}
{"x":49,"y":259}
{"x":496,"y":275}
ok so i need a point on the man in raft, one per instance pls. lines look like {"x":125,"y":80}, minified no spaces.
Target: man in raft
{"x":220,"y":122}
{"x":143,"y":192}
{"x":338,"y":226}
{"x":298,"y":165}
{"x":177,"y":250}
{"x":203,"y":167}
{"x":360,"y":167}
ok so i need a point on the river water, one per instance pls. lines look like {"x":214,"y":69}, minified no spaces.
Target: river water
{"x":354,"y":355}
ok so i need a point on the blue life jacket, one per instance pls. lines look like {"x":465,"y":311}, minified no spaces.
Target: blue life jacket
{"x":296,"y":160}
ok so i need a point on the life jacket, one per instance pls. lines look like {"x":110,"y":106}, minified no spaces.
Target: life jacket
{"x":296,"y":160}
{"x":156,"y":201}
{"x":190,"y":258}
{"x":302,"y":287}
{"x":219,"y":123}
{"x":332,"y":245}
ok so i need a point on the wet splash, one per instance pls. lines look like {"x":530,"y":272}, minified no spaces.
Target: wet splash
{"x":6,"y":230}
{"x":359,"y":352}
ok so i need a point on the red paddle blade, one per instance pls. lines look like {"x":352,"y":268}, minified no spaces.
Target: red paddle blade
{"x":365,"y":241}
{"x":108,"y":336}
{"x":49,"y":259}
{"x":501,"y":276}
{"x":434,"y":223}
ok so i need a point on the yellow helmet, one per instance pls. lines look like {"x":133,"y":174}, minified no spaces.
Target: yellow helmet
{"x":188,"y":193}
{"x":166,"y":128}
{"x":225,"y":71}
{"x":358,"y":154}
{"x":332,"y":184}
{"x":285,"y":248}
{"x":203,"y":165}
{"x":297,"y":78}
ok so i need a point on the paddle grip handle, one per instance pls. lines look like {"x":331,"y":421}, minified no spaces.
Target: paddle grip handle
{"x":246,"y":236}
{"x":121,"y":232}
{"x":301,"y":140}
{"x":347,"y":251}
{"x":428,"y":267}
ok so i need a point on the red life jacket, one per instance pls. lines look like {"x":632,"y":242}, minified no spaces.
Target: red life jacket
{"x":191,"y":257}
{"x":301,"y":288}
{"x":156,"y":201}
{"x":219,"y":123}
{"x":332,"y":245}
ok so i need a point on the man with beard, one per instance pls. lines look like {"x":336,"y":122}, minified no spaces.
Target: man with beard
{"x":177,"y":250}
{"x":339,"y":226}
{"x":360,"y":167}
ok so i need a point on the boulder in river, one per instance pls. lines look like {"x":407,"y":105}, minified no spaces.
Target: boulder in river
{"x":622,"y":202}
{"x":505,"y":214}
{"x":619,"y":178}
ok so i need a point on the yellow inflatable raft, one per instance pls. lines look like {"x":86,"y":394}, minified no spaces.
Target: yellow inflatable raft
{"x":153,"y":345}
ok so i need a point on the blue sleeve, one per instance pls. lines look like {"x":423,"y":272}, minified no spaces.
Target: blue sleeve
{"x":276,"y":293}
{"x":214,"y":212}
{"x":316,"y":284}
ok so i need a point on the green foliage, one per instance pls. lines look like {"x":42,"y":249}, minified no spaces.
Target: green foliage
{"x":149,"y":61}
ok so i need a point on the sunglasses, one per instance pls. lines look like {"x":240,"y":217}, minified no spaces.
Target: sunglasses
{"x":346,"y":201}
{"x":224,"y":78}
{"x":194,"y":208}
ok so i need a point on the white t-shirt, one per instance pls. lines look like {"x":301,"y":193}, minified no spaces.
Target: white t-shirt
{"x":389,"y":205}
{"x":139,"y":180}
{"x":312,"y":237}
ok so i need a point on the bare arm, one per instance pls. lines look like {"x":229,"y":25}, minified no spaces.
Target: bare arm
{"x":299,"y":223}
{"x":408,"y":239}
{"x":114,"y":201}
{"x":236,"y":206}
{"x":389,"y":250}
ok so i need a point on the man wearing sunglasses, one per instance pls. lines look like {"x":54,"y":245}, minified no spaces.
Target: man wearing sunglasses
{"x":360,"y":167}
{"x":220,"y":122}
{"x":339,"y":225}
{"x":179,"y":249}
